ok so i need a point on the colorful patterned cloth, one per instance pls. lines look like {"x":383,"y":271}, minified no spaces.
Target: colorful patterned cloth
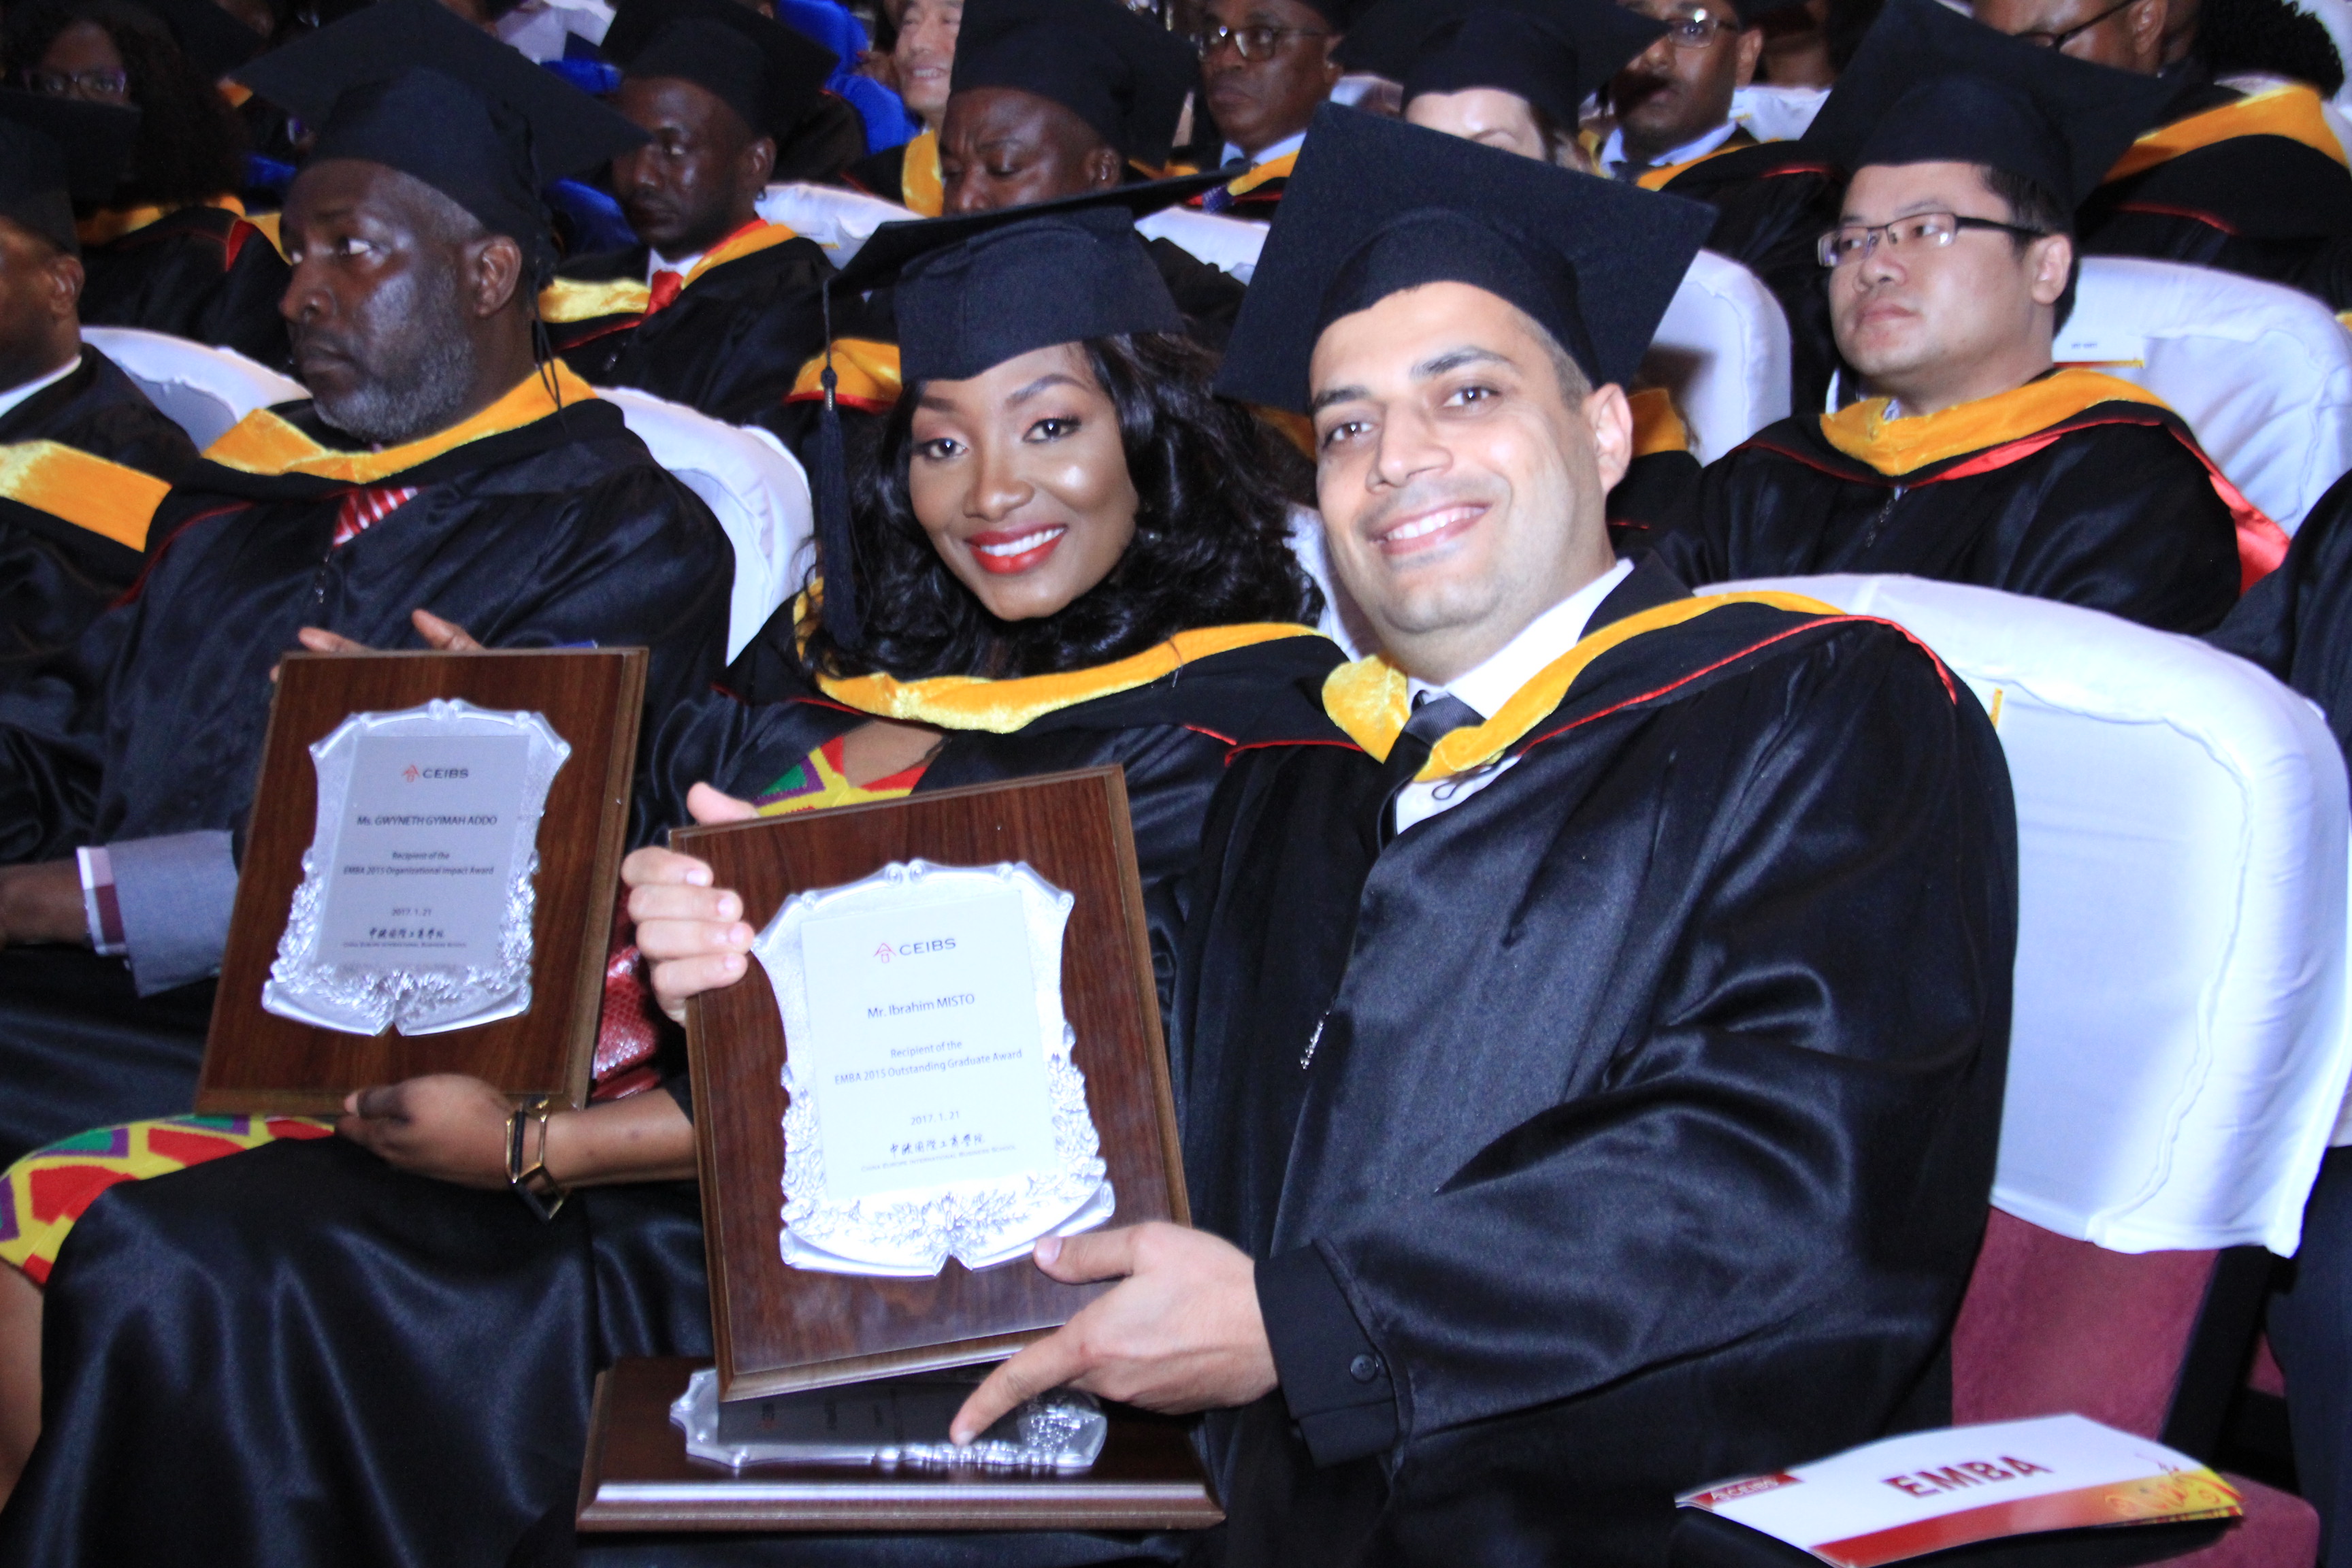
{"x":817,"y":784}
{"x":46,"y":1192}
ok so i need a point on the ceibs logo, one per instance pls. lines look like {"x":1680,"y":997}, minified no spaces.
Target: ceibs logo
{"x":884,"y":953}
{"x":411,"y":773}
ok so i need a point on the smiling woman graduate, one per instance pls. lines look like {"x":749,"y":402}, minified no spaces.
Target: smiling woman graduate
{"x":1071,"y":555}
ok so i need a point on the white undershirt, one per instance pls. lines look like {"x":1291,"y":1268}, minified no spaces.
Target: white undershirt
{"x":1613,"y":152}
{"x":1495,"y":681}
{"x":653,"y":263}
{"x":23,"y":390}
{"x":1281,"y":149}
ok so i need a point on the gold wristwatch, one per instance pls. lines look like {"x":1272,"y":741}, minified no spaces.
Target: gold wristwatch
{"x":538,"y":1190}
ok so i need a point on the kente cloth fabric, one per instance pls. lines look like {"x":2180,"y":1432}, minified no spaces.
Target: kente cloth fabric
{"x":372,"y":1367}
{"x":2254,"y":184}
{"x":366,"y":506}
{"x":1773,"y":201}
{"x":557,"y":529}
{"x":203,"y":273}
{"x":728,"y":345}
{"x":816,"y":782}
{"x":2112,"y":507}
{"x":1637,"y":1113}
{"x":57,"y":574}
{"x":42,"y":1195}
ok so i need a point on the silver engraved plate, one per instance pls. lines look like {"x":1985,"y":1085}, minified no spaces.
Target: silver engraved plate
{"x":935,"y":1111}
{"x":415,"y":905}
{"x":888,"y":1424}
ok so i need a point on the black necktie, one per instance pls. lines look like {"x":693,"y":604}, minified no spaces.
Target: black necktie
{"x":1434,"y":719}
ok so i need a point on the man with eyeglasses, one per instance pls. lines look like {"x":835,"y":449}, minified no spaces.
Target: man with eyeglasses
{"x":1948,"y":273}
{"x":2252,"y":183}
{"x":1675,"y":133}
{"x":1265,"y":67}
{"x":84,"y":456}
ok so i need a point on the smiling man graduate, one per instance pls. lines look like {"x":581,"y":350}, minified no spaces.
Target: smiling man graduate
{"x":438,"y":465}
{"x":1590,"y":1086}
{"x":716,"y":308}
{"x":1949,"y":274}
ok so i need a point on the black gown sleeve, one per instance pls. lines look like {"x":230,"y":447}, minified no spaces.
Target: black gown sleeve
{"x":1838,"y":972}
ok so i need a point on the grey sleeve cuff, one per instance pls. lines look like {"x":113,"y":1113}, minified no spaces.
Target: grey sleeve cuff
{"x":1334,"y":1379}
{"x":175,"y":894}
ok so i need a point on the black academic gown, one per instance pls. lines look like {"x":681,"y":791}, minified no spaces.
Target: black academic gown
{"x":1773,"y":201}
{"x":200,"y":273}
{"x":300,"y":1356}
{"x":561,"y":531}
{"x":56,"y":575}
{"x":2296,"y":622}
{"x":2118,"y":513}
{"x":887,"y":174}
{"x":1627,"y":1126}
{"x":729,"y":344}
{"x":2244,"y":198}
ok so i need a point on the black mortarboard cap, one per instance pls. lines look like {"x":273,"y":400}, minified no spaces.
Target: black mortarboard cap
{"x":1931,"y":86}
{"x":214,"y":42}
{"x":1376,"y":206}
{"x":1341,"y":13}
{"x":55,"y":152}
{"x":978,"y":289}
{"x":406,"y":84}
{"x":1123,"y":74}
{"x":1553,"y":53}
{"x":763,"y":70}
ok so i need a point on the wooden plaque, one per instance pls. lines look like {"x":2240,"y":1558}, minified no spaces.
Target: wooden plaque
{"x":257,"y":1061}
{"x":780,"y":1328}
{"x":639,"y":1476}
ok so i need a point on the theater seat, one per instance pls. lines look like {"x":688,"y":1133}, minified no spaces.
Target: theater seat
{"x":838,"y":219}
{"x":2262,"y":372}
{"x":1723,"y":352}
{"x":202,"y":389}
{"x":757,"y":488}
{"x":2180,"y":1051}
{"x":1776,"y":113}
{"x":1229,"y":244}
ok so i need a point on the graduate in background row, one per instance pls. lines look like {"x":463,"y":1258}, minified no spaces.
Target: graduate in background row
{"x":85,"y":457}
{"x":1265,"y":67}
{"x":1528,"y":1195}
{"x":1059,"y":509}
{"x":169,"y":249}
{"x":438,"y":465}
{"x":2253,"y":182}
{"x":716,"y":307}
{"x":1949,"y":274}
{"x":1675,"y":133}
{"x":923,"y":60}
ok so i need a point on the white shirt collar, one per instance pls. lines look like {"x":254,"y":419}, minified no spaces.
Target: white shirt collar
{"x":23,"y":390}
{"x":1520,"y":660}
{"x":655,"y":262}
{"x":1613,"y":152}
{"x":1281,"y":149}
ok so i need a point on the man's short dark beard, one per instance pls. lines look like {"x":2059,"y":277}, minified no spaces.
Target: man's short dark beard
{"x":421,"y":383}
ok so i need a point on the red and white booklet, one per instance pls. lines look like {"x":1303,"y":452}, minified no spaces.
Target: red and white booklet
{"x":1955,"y":1486}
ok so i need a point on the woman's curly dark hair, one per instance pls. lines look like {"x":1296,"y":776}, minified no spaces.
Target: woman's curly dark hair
{"x":1212,"y":546}
{"x":2271,"y":36}
{"x":191,"y":145}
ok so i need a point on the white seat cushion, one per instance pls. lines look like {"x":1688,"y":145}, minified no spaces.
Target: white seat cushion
{"x":202,"y":389}
{"x":2179,"y":1051}
{"x":1723,"y":352}
{"x":2262,"y":372}
{"x":840,"y":220}
{"x":755,"y":487}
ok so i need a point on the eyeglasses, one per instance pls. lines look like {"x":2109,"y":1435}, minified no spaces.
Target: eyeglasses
{"x":1254,"y":43}
{"x":89,"y":84}
{"x":2059,"y":40}
{"x":1696,"y":30}
{"x":1920,"y":231}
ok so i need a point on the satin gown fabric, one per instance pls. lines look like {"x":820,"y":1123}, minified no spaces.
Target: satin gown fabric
{"x":55,"y":577}
{"x":338,"y":1364}
{"x":561,"y":531}
{"x":2261,"y":206}
{"x":728,"y":346}
{"x":200,"y":273}
{"x":2296,"y":622}
{"x":2122,"y":517}
{"x":1643,"y":1105}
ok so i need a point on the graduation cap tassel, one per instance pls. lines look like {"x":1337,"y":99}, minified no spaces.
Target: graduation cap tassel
{"x":837,"y":548}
